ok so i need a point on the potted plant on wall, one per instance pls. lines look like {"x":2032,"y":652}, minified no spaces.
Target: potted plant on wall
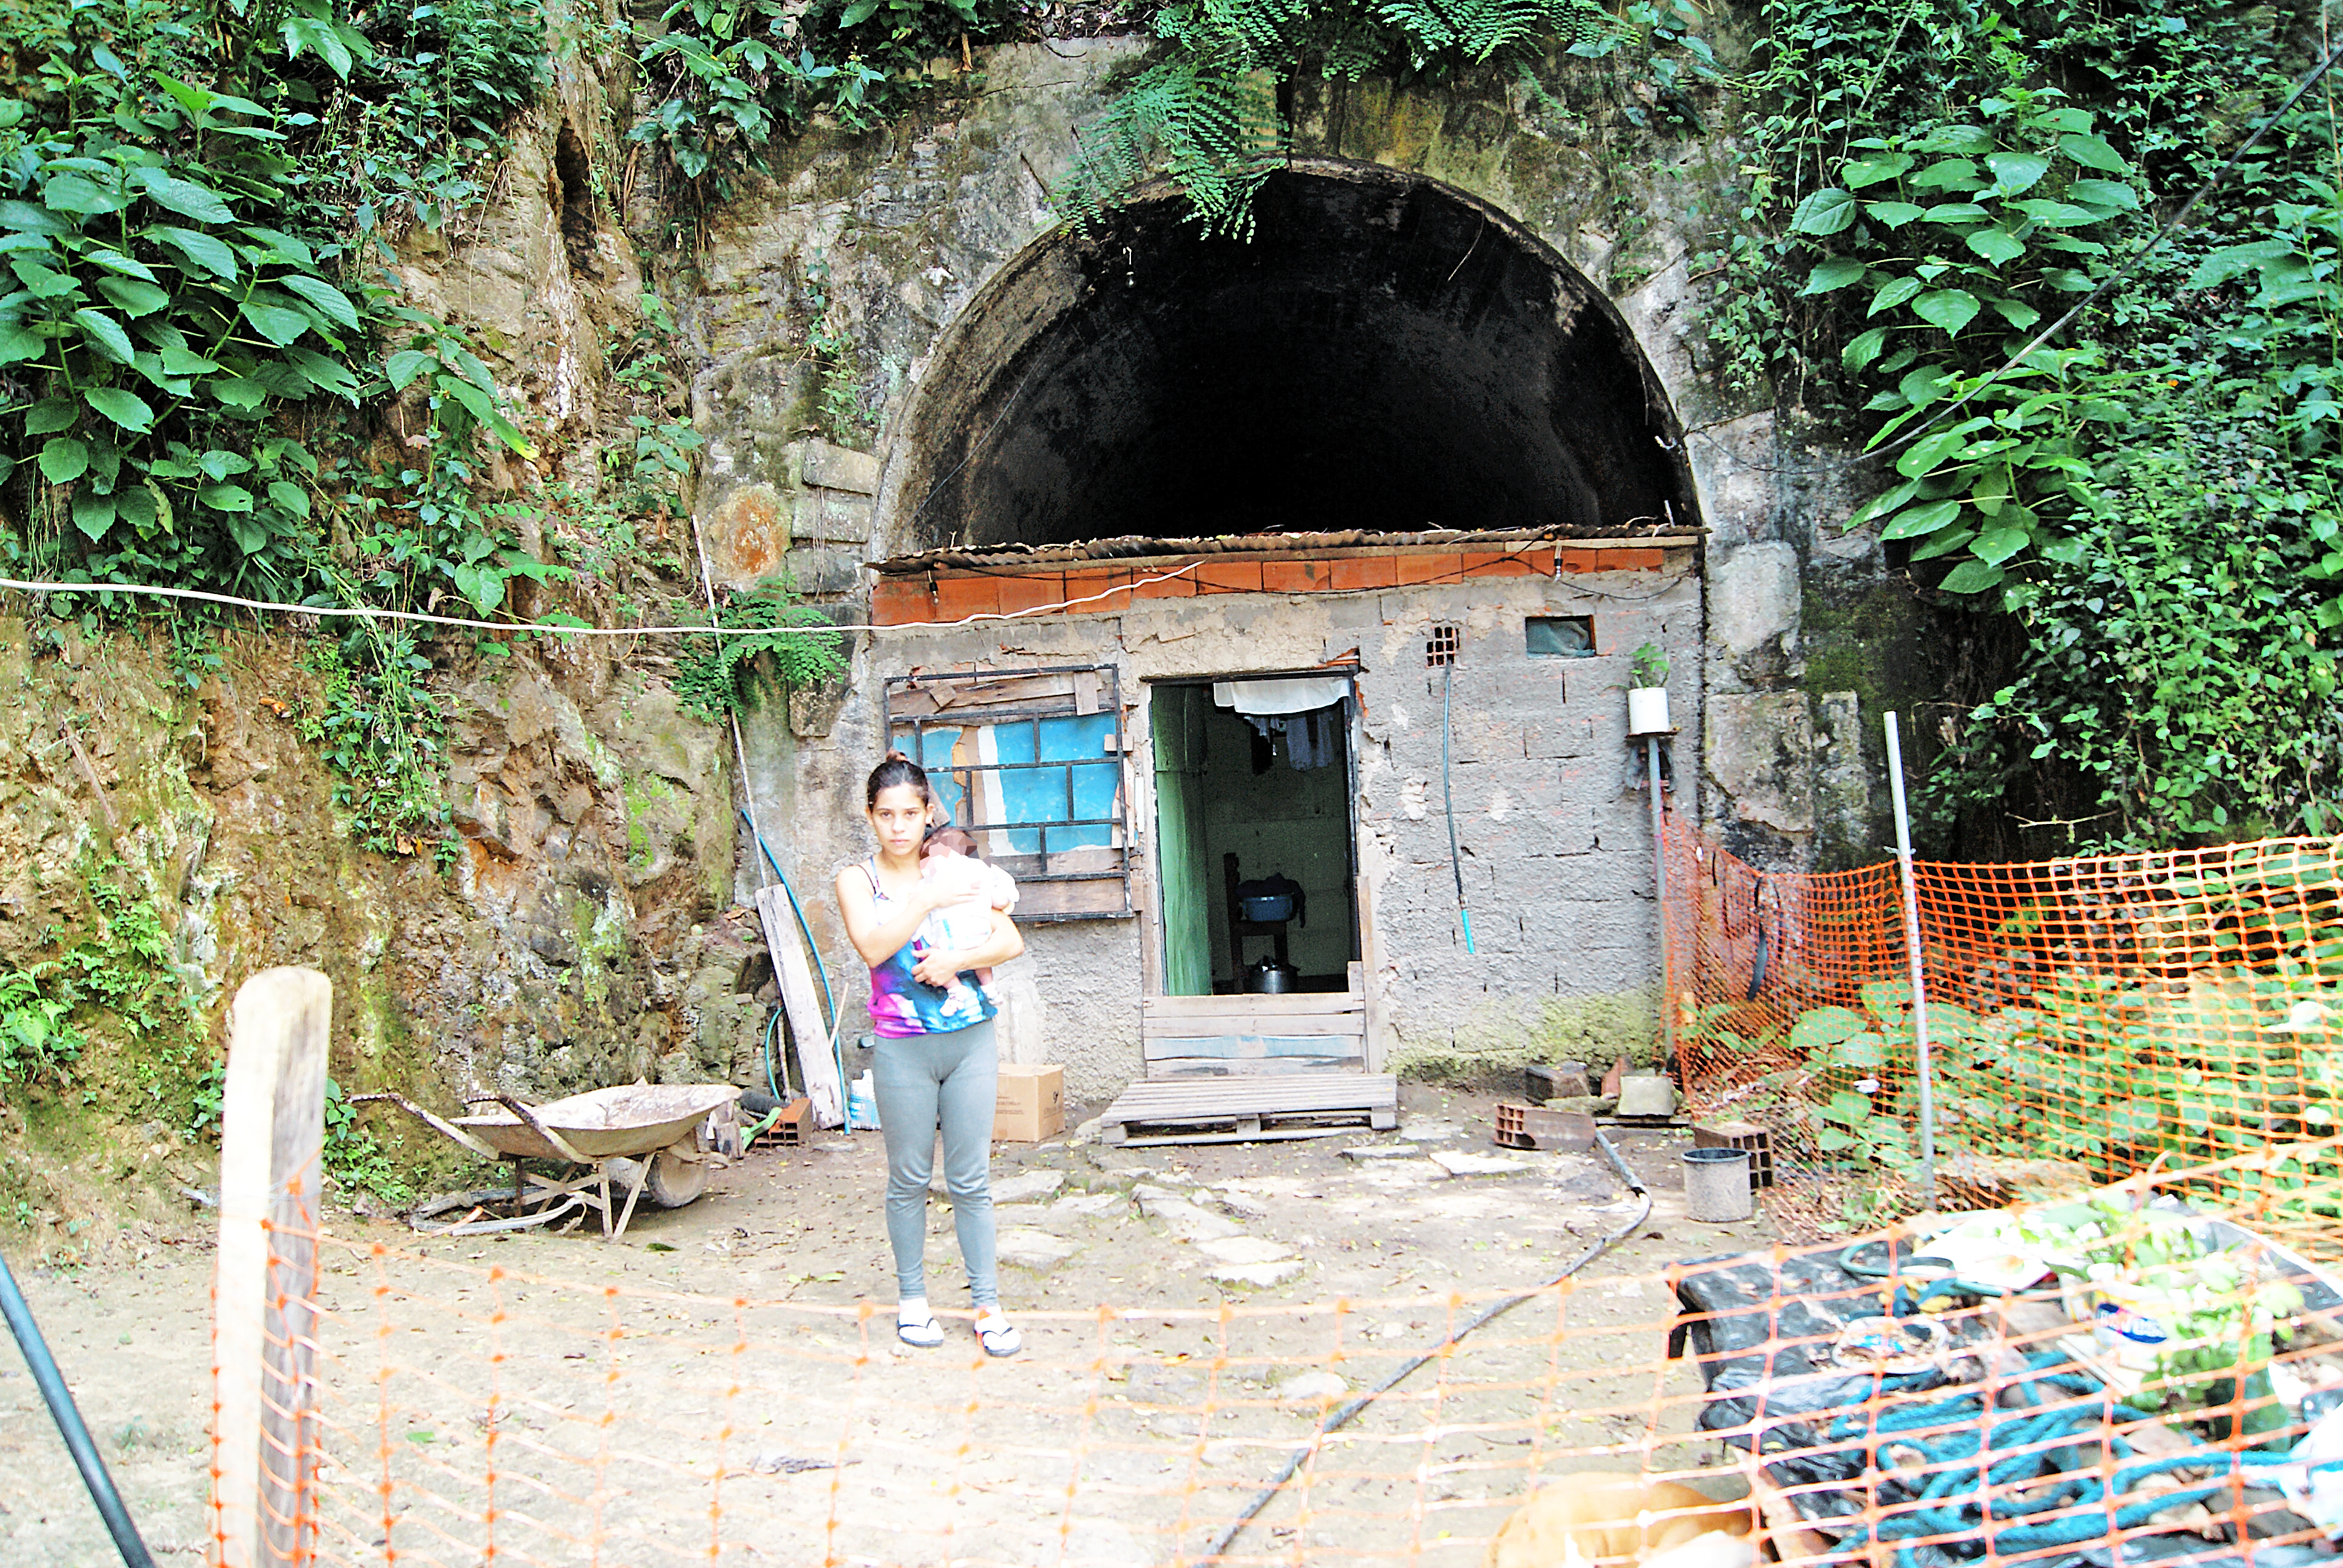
{"x":1647,"y":692}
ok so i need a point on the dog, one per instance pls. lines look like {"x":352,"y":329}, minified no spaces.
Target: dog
{"x":1597,"y":1520}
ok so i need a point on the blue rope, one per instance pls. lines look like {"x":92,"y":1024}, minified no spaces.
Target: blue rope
{"x":1966,"y":1438}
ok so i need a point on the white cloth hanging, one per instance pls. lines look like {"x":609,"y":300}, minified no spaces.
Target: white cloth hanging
{"x":1284,"y":694}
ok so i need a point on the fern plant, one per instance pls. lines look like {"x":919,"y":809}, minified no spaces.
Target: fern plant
{"x":711,"y":673}
{"x":1208,"y":117}
{"x":1212,"y":126}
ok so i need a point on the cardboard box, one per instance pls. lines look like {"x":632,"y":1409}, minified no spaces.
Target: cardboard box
{"x":1030,"y":1105}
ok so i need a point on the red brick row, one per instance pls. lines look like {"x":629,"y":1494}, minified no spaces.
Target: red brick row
{"x":955,"y":595}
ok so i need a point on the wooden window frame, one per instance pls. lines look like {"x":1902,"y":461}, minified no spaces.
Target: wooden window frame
{"x":914,"y":704}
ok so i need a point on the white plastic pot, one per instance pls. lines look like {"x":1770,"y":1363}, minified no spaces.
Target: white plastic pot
{"x":1647,"y":710}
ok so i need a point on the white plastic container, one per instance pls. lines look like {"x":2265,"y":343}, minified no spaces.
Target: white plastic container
{"x":1647,"y":710}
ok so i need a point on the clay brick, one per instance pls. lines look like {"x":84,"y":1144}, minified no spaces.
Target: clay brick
{"x":1166,"y":587}
{"x":1295,"y":577}
{"x":1575,"y":560}
{"x":1366,"y":572}
{"x":1627,"y":560}
{"x":900,"y":601}
{"x":1098,"y":580}
{"x":1228,"y":577}
{"x":1031,"y":592}
{"x":958,"y":597}
{"x":1496,"y":564}
{"x":1428,"y":569}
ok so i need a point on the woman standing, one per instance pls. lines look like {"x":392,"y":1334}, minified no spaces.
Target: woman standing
{"x":937,"y":1062}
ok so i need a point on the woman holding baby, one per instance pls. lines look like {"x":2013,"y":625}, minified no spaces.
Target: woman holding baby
{"x":932,"y":1013}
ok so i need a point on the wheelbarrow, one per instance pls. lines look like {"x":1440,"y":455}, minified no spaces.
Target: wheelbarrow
{"x":640,"y":1137}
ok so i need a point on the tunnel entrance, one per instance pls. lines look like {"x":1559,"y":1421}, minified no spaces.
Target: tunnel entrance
{"x":1385,"y":354}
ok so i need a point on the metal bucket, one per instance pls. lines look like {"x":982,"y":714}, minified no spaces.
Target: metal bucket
{"x":1717,"y":1185}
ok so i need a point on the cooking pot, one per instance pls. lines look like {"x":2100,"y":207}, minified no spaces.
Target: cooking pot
{"x":1271,"y":978}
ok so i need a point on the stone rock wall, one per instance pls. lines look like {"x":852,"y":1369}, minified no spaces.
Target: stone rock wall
{"x":581,"y":934}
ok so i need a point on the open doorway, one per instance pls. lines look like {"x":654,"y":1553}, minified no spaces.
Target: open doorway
{"x":1257,"y":863}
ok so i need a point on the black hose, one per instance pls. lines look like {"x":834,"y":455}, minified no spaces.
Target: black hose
{"x":52,"y":1384}
{"x":1448,"y":795}
{"x":1336,"y":1419}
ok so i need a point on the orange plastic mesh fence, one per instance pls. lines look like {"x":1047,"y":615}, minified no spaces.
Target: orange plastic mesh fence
{"x":2104,"y":1012}
{"x":472,"y":1413}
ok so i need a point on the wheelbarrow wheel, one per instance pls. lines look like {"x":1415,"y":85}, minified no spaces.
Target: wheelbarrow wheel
{"x":675,"y":1181}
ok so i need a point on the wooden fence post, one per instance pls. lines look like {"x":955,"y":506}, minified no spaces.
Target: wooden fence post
{"x":272,"y":1133}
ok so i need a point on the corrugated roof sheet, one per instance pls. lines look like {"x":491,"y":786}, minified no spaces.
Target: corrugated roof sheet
{"x":1133,"y":546}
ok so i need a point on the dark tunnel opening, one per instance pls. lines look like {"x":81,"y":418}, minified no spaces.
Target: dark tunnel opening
{"x":1384,"y":353}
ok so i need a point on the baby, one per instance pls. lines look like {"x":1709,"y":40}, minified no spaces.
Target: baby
{"x":963,"y":925}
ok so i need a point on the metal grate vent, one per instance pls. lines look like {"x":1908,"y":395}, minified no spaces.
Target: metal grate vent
{"x":1443,"y":646}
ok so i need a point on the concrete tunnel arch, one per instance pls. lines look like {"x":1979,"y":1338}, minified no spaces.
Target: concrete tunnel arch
{"x":1385,"y":352}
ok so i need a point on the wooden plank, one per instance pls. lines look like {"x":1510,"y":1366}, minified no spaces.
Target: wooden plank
{"x":1250,"y":1004}
{"x":786,"y":942}
{"x":1272,"y":1135}
{"x":1222,"y":1067}
{"x":1268,"y":1026}
{"x":1256,"y":1047}
{"x":1286,"y":1092}
{"x":1291,"y":1092}
{"x":1059,"y":901}
{"x":942,"y":693}
{"x":272,"y":1133}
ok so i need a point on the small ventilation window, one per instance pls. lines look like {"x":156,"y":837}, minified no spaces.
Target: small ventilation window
{"x":1443,"y":646}
{"x":1560,"y":636}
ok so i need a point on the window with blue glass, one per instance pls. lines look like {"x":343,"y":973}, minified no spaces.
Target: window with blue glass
{"x":1030,"y":761}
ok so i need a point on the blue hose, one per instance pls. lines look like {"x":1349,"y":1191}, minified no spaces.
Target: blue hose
{"x":829,"y":999}
{"x":70,"y":1426}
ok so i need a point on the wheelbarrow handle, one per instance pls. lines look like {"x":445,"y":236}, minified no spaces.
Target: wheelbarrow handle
{"x":481,"y":1147}
{"x":529,"y":1114}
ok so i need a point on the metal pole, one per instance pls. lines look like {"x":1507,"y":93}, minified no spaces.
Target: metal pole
{"x":1660,"y":892}
{"x":1913,"y":952}
{"x":52,"y":1384}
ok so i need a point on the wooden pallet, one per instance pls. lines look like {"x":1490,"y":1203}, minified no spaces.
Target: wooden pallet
{"x":1245,"y":1110}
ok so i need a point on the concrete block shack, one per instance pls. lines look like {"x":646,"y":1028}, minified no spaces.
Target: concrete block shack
{"x":1448,"y":501}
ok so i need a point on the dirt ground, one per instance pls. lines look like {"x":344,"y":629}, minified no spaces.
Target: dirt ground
{"x":723,"y":1382}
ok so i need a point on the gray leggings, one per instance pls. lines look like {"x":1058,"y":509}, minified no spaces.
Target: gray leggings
{"x":926,"y":1081}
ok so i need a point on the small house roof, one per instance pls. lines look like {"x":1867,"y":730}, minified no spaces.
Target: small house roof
{"x":1014,"y":557}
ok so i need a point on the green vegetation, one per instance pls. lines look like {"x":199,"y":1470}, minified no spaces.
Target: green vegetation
{"x":712,"y":674}
{"x":1213,"y":117}
{"x":2151,"y":493}
{"x":2112,"y":1068}
{"x":115,"y":984}
{"x":202,"y":357}
{"x":727,"y":80}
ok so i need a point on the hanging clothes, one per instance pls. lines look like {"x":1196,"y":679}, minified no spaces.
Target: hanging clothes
{"x":1310,"y":739}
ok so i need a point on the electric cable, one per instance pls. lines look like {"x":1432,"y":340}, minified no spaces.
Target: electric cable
{"x":1338,"y":1419}
{"x":70,"y":1426}
{"x":1448,"y":795}
{"x":374,"y":612}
